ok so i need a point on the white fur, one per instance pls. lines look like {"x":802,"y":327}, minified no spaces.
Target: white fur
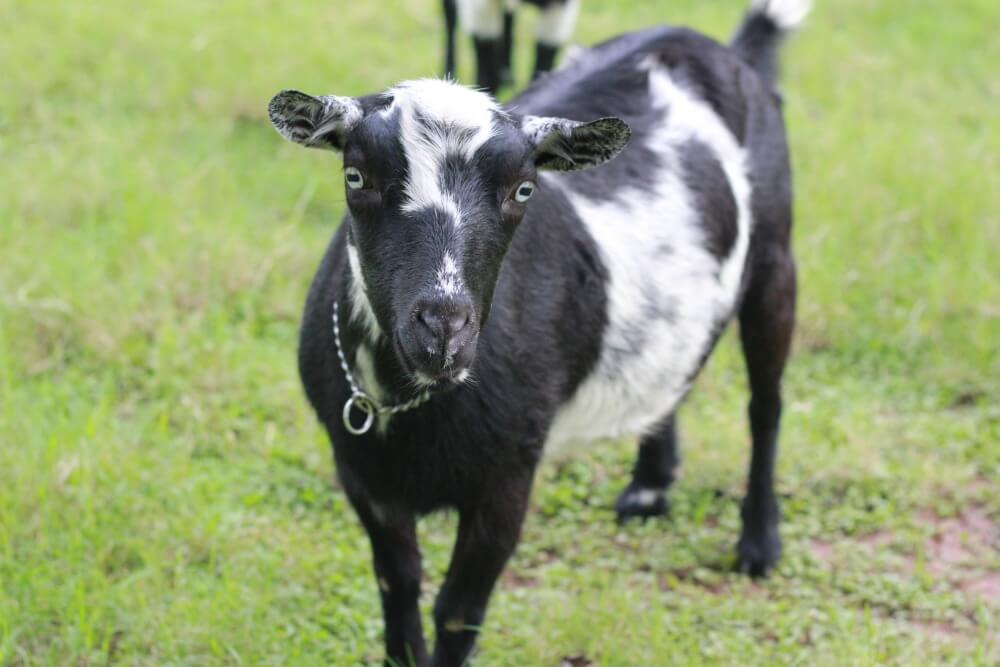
{"x":646,"y":497}
{"x":361,"y":307}
{"x":571,"y":54}
{"x":556,"y":23}
{"x":448,"y":280}
{"x":637,"y":382}
{"x":338,"y":113}
{"x":786,"y":14}
{"x":364,"y":367}
{"x":466,"y":118}
{"x":364,"y":370}
{"x":539,"y":128}
{"x":482,"y":18}
{"x":692,"y":118}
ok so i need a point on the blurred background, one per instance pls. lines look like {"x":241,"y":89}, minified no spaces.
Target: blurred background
{"x":166,"y":497}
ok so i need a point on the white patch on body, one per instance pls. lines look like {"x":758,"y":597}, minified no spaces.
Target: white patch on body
{"x":786,"y":14}
{"x":556,"y":23}
{"x":653,"y":248}
{"x":448,"y":281}
{"x":361,"y":307}
{"x":437,"y":118}
{"x":692,"y":118}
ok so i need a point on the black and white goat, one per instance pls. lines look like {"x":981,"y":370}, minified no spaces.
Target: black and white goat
{"x":491,"y":25}
{"x":486,"y":299}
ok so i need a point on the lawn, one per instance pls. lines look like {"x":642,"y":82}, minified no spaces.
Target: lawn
{"x":166,"y":497}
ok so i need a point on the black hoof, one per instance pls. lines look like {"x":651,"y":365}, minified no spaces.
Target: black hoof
{"x":758,"y":552}
{"x":637,"y":502}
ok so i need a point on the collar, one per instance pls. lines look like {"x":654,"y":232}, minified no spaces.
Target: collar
{"x":362,"y":400}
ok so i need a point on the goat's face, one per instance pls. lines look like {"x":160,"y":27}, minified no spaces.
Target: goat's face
{"x":437,"y":178}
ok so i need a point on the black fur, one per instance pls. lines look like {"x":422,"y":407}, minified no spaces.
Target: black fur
{"x":715,"y":200}
{"x":541,"y":304}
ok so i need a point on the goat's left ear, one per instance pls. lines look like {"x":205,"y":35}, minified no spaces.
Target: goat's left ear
{"x":569,"y":145}
{"x":317,"y":122}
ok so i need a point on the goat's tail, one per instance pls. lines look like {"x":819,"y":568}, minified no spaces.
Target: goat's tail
{"x":762,"y":30}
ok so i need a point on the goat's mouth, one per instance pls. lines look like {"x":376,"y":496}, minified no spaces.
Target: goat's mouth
{"x":441,"y":382}
{"x":432,"y":371}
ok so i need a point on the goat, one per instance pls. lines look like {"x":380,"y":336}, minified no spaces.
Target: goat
{"x":490,"y":295}
{"x":491,"y":25}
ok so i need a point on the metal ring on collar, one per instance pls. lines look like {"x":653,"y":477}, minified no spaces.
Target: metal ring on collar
{"x":365,"y":405}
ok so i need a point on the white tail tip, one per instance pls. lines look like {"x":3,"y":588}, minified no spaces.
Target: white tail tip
{"x":786,"y":14}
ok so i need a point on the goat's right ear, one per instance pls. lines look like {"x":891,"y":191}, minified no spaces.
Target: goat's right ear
{"x":316,"y":122}
{"x":570,"y":145}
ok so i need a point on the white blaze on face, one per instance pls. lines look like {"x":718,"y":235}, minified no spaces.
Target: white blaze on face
{"x":448,"y":280}
{"x":436,"y":119}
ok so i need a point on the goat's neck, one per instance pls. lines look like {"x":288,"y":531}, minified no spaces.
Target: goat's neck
{"x":368,"y":349}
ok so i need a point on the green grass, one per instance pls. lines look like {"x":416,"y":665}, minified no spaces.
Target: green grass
{"x":167,"y":499}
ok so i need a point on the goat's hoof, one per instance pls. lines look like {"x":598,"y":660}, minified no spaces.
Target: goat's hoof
{"x":758,"y":552}
{"x":637,"y":502}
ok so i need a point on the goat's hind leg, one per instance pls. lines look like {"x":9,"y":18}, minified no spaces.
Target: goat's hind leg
{"x":652,"y":475}
{"x":767,"y":318}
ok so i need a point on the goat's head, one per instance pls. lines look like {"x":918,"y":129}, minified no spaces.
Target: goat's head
{"x":437,"y":178}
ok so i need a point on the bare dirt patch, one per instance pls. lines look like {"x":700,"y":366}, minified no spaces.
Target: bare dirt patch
{"x":960,"y":547}
{"x":986,"y":586}
{"x":514,"y":579}
{"x":960,"y":551}
{"x":821,"y":550}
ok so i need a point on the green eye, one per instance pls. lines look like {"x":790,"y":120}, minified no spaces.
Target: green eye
{"x":524,"y":192}
{"x":355,"y":180}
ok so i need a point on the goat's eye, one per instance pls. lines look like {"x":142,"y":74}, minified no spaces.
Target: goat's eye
{"x":355,"y":180}
{"x":524,"y":191}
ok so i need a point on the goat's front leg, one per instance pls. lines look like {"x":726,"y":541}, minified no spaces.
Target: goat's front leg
{"x":487,"y":536}
{"x":396,"y":556}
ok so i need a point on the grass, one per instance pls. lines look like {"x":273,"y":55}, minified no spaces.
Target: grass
{"x":167,"y":499}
